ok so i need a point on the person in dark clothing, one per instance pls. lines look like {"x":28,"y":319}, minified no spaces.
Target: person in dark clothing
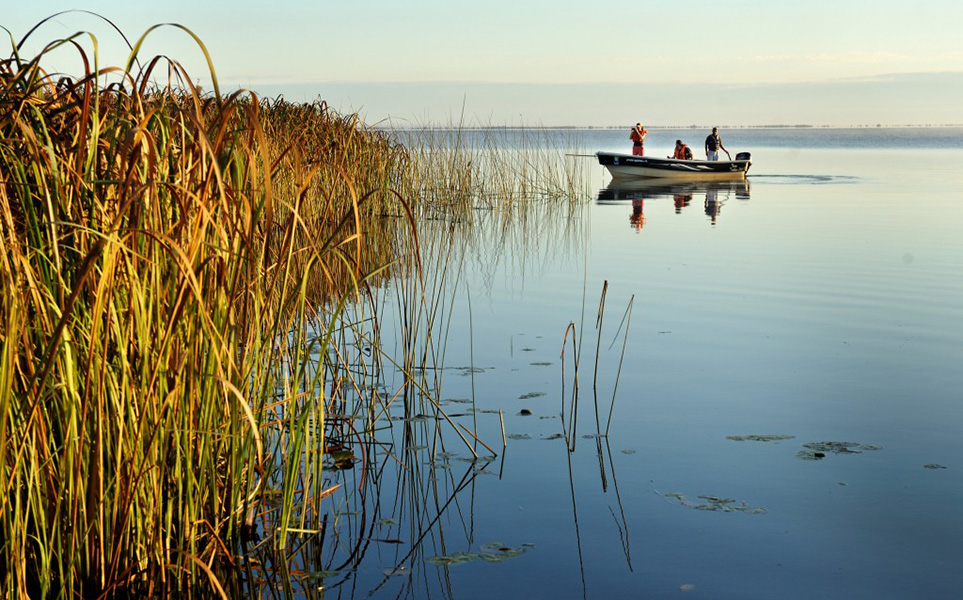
{"x":714,"y":144}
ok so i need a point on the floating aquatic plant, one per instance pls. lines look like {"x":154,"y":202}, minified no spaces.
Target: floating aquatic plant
{"x":715,"y":503}
{"x":495,"y":552}
{"x":759,"y":438}
{"x":819,"y":450}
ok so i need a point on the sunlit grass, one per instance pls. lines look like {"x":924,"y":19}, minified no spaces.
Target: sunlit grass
{"x":189,"y":311}
{"x":164,"y":252}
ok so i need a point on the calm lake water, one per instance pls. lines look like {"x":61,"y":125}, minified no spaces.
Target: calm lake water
{"x":814,"y":314}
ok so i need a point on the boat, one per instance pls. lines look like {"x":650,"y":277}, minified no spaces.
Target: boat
{"x":627,"y":166}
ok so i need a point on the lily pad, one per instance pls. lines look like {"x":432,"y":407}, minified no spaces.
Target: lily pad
{"x":466,"y":371}
{"x":491,"y":553}
{"x":818,"y":450}
{"x":933,"y":466}
{"x":342,"y":459}
{"x":519,"y":436}
{"x":452,"y":559}
{"x":322,"y":574}
{"x":531,"y":395}
{"x":759,"y":438}
{"x":501,"y":555}
{"x":541,"y":364}
{"x":716,"y":504}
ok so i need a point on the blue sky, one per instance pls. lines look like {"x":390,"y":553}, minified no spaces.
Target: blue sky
{"x":561,"y":62}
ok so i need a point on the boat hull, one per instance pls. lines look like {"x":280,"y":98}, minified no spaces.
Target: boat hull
{"x":626,"y":166}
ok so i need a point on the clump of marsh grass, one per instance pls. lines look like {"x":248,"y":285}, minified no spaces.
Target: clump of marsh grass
{"x":164,"y":252}
{"x":190,"y":347}
{"x":460,"y":169}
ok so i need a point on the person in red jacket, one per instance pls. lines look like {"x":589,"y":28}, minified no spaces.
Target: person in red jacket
{"x":682,"y":152}
{"x":638,"y":140}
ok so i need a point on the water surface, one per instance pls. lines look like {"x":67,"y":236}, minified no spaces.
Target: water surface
{"x":820,"y":302}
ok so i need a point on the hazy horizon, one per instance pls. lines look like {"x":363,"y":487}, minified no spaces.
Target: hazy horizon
{"x":894,"y":100}
{"x":559,"y":63}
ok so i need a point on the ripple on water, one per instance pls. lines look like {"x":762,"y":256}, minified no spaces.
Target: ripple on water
{"x":796,"y":179}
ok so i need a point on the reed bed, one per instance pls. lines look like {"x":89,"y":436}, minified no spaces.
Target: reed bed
{"x":191,"y":348}
{"x":164,"y":253}
{"x":409,"y":453}
{"x":458,"y":168}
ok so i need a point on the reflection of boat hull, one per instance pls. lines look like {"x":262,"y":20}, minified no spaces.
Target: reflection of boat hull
{"x":626,"y":166}
{"x":650,"y":189}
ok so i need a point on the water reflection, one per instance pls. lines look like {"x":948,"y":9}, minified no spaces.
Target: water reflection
{"x":713,"y":193}
{"x":403,"y":460}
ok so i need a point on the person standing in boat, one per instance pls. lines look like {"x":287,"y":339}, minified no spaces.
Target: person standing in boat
{"x":714,"y":144}
{"x":638,"y":140}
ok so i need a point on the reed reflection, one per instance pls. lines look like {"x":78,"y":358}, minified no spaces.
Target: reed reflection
{"x":402,"y":461}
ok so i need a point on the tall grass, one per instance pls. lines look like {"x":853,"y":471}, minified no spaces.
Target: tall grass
{"x":163,"y":254}
{"x":189,"y":322}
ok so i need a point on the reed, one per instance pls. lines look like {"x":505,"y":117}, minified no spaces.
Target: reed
{"x":164,"y":255}
{"x":405,"y":453}
{"x":457,"y":169}
{"x":190,"y":322}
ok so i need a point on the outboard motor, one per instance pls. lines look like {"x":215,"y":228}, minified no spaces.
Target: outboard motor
{"x":743,"y":156}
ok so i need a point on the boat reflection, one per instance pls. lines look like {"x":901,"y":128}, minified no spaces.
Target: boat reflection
{"x":713,"y":194}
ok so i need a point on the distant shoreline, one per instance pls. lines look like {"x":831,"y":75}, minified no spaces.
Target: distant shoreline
{"x":664,"y":127}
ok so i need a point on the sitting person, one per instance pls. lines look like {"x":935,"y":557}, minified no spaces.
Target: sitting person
{"x":682,"y":152}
